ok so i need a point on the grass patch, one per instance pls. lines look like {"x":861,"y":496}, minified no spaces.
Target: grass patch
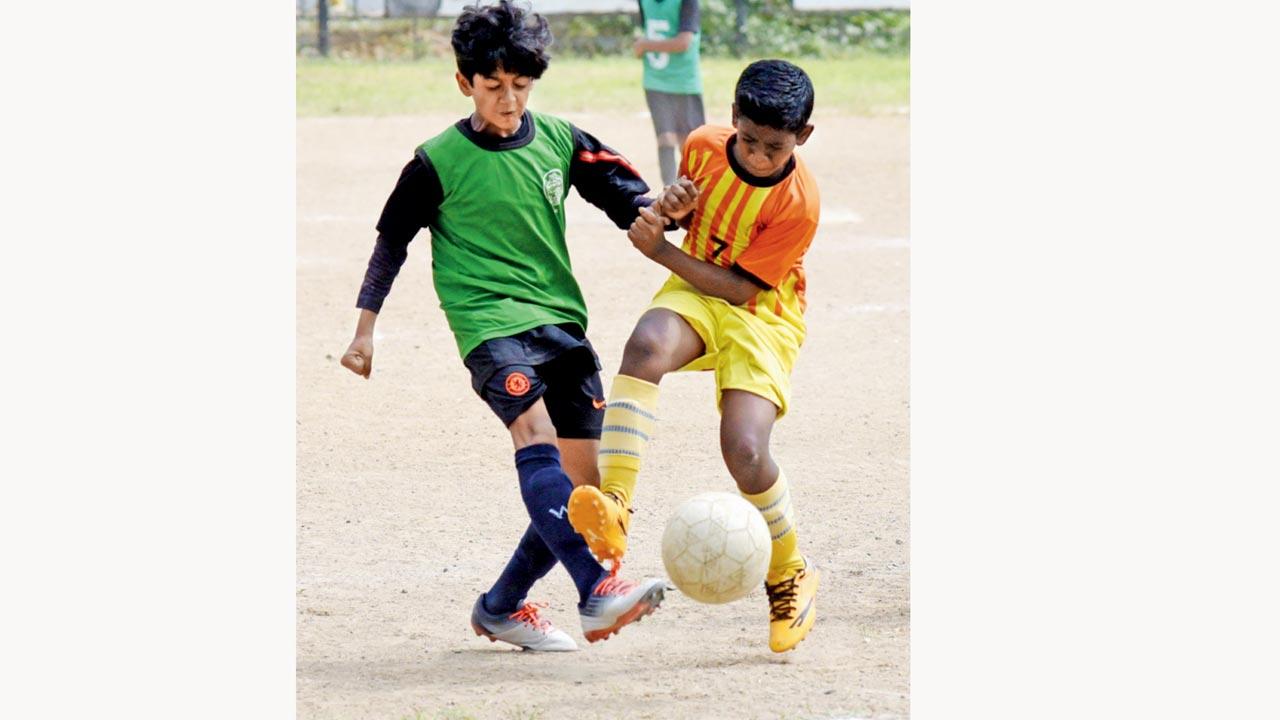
{"x":863,"y":84}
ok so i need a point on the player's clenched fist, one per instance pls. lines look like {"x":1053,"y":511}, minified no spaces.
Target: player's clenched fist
{"x":359,"y":356}
{"x":646,"y":232}
{"x":678,"y":199}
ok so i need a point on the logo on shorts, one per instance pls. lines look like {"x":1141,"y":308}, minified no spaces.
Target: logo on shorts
{"x":598,"y":404}
{"x":517,"y":384}
{"x":553,"y":186}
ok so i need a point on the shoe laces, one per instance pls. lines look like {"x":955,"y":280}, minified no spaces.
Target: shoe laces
{"x":782,"y":597}
{"x":528,"y":614}
{"x":614,"y":585}
{"x":621,"y":505}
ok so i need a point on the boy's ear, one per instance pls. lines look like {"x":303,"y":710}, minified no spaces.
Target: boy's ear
{"x":735,"y":115}
{"x":804,"y":134}
{"x":464,"y":85}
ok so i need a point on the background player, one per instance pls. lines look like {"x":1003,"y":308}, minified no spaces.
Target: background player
{"x":734,"y":304}
{"x":491,"y":189}
{"x":672,"y":79}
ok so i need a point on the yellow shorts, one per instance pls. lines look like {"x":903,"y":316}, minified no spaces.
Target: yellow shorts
{"x":746,"y":352}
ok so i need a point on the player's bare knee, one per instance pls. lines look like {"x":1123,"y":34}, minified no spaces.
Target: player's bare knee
{"x":643,"y":345}
{"x":745,"y":456}
{"x":645,"y":353}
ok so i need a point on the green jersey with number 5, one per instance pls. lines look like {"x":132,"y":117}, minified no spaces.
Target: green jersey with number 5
{"x":675,"y":73}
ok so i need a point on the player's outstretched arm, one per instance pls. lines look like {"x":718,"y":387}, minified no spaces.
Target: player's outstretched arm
{"x":411,"y":206}
{"x":646,"y":234}
{"x":605,"y":179}
{"x":359,"y":355}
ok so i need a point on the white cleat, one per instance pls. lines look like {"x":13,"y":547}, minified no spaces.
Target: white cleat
{"x":523,"y":628}
{"x":615,"y":602}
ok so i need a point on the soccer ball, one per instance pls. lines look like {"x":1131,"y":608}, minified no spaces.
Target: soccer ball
{"x":716,"y":547}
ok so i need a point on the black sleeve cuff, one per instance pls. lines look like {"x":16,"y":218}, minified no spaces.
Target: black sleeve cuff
{"x":642,"y":201}
{"x":384,"y":264}
{"x":741,"y":272}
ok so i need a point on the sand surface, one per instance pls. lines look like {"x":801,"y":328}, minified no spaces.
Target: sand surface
{"x":407,"y":498}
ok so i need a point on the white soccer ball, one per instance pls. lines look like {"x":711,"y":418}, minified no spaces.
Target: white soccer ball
{"x":716,"y":547}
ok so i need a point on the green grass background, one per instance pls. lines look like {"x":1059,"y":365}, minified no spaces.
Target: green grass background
{"x":870,"y":84}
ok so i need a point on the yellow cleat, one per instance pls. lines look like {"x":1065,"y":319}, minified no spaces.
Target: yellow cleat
{"x":792,"y":608}
{"x":602,"y":520}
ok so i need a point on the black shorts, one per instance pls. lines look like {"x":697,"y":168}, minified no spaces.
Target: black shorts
{"x":680,"y":114}
{"x":552,"y":362}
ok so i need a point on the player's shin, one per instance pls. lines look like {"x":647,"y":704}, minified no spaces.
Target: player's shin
{"x":545,"y":489}
{"x":531,"y":560}
{"x":603,"y":517}
{"x":775,"y":505}
{"x":629,"y":421}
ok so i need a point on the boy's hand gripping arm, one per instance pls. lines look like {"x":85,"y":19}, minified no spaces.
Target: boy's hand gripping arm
{"x":646,"y":234}
{"x":677,"y":200}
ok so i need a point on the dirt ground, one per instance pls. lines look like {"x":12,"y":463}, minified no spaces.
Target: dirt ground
{"x":407,"y":497}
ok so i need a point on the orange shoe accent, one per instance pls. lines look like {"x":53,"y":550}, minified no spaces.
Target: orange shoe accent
{"x":614,"y":585}
{"x":633,"y":615}
{"x":481,"y":632}
{"x":528,"y":614}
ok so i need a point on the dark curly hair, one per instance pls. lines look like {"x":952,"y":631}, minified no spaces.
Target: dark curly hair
{"x":776,"y":94}
{"x":506,"y":35}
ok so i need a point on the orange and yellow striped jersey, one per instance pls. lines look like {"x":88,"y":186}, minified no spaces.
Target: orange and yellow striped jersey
{"x":764,"y":230}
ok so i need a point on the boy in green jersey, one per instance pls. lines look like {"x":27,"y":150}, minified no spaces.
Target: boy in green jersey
{"x":670,"y":49}
{"x":491,"y":188}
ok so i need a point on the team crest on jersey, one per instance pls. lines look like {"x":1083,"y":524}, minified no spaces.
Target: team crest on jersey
{"x":553,"y":186}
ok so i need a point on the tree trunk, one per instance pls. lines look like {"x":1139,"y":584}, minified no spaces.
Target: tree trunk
{"x":322,"y":16}
{"x":740,"y":24}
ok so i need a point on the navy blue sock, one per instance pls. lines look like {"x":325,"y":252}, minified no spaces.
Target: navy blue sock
{"x":545,"y":490}
{"x":531,"y":560}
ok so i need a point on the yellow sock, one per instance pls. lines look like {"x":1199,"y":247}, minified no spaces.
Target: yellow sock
{"x":628,"y":423}
{"x":775,"y":505}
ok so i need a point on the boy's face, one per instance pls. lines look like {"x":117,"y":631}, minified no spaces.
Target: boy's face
{"x":762,"y":150}
{"x":500,"y":99}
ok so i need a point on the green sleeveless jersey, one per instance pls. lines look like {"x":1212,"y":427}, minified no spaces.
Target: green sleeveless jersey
{"x":675,"y":73}
{"x":498,"y":255}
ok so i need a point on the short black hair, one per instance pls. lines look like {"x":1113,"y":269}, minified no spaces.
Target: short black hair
{"x":504,"y":35}
{"x":776,"y":94}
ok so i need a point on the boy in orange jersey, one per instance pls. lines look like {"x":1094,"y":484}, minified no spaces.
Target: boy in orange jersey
{"x":734,"y":304}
